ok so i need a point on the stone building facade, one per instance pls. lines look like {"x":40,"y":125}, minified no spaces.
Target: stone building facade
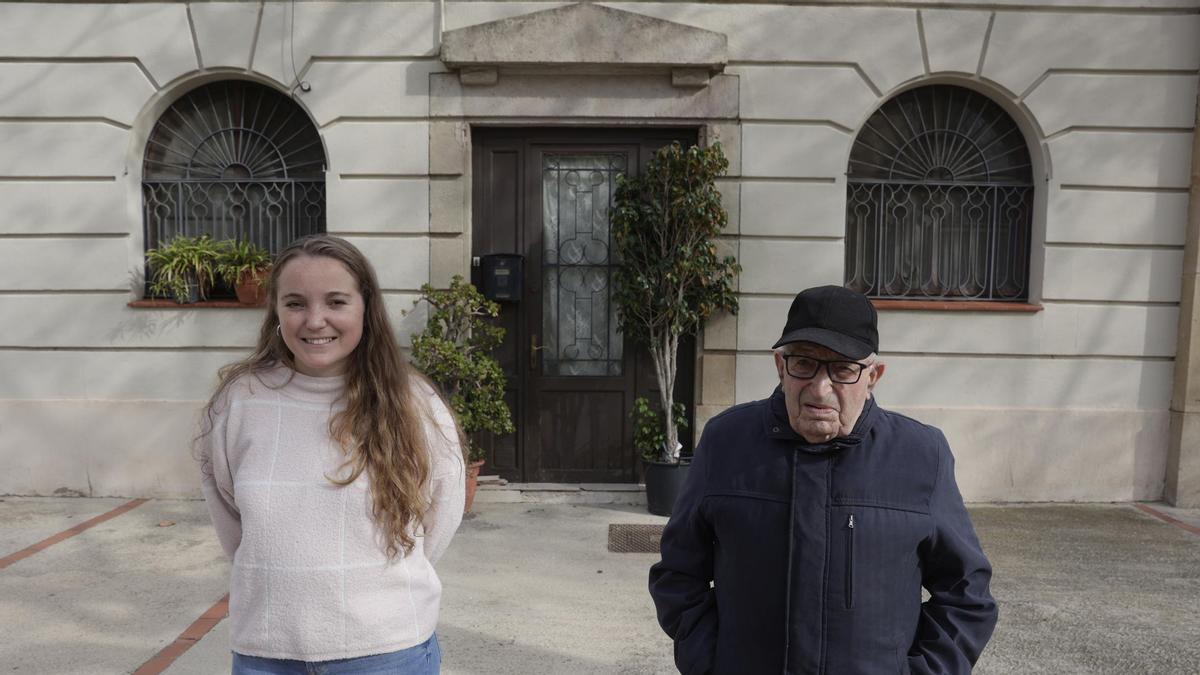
{"x":1077,"y":385}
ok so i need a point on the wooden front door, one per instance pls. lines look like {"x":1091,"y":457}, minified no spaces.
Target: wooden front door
{"x":572,"y":378}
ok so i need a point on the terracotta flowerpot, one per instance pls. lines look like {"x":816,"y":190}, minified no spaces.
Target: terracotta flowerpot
{"x":250,"y":288}
{"x":472,"y":483}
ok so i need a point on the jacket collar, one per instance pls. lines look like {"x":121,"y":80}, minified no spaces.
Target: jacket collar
{"x":777,"y":426}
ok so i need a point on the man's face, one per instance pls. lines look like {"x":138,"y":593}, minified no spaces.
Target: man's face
{"x":820,"y":409}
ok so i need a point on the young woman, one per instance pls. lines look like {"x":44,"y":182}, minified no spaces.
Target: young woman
{"x":334,"y":476}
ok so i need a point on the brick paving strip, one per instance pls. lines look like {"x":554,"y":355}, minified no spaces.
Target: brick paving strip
{"x":187,"y":639}
{"x":1167,"y":519}
{"x":67,"y":534}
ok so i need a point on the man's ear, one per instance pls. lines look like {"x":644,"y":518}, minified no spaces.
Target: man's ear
{"x":875,"y":375}
{"x":780,"y":366}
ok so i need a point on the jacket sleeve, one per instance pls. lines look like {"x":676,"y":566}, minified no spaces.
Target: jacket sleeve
{"x":681,"y":583}
{"x":217,"y":481}
{"x":957,"y":620}
{"x":448,"y":482}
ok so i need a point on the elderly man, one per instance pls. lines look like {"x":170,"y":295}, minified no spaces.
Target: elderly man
{"x":810,"y":521}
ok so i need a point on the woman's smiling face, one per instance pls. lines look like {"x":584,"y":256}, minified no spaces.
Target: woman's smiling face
{"x":320,"y":312}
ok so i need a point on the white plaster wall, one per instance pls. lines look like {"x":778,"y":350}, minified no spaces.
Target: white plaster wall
{"x":97,"y":387}
{"x":1107,"y":97}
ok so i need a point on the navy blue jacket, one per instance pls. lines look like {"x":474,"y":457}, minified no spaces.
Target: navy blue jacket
{"x":816,"y":554}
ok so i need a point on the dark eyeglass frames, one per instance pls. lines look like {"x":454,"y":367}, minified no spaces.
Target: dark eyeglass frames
{"x":806,"y":367}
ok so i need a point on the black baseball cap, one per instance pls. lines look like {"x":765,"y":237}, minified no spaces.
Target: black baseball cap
{"x":834,"y":317}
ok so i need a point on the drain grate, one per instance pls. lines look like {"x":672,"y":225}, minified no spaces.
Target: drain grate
{"x":630,"y":538}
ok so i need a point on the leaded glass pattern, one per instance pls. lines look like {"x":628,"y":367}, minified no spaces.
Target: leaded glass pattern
{"x":939,"y":200}
{"x":579,"y":319}
{"x":235,"y":160}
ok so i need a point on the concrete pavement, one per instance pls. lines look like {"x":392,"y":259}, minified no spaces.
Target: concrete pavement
{"x":531,"y":588}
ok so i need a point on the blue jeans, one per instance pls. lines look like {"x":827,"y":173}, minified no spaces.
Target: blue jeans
{"x":424,"y":659}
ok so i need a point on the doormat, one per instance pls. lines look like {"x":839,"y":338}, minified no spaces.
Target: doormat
{"x":630,"y":538}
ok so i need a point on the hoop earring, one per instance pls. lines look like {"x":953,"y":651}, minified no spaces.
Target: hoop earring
{"x":279,"y":329}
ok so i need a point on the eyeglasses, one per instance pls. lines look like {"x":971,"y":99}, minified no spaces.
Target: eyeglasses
{"x":806,"y":367}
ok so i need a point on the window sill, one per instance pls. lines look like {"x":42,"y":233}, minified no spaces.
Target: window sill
{"x":955,"y":306}
{"x":205,"y":304}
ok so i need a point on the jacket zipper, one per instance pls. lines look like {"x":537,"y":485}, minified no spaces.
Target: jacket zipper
{"x":850,"y":562}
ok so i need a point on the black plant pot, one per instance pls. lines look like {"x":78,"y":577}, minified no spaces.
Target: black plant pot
{"x":664,"y":482}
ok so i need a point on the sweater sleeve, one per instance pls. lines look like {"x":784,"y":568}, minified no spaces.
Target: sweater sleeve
{"x":217,"y":485}
{"x":447,"y":481}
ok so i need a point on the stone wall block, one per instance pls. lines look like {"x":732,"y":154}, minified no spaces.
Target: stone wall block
{"x":1132,"y":275}
{"x":89,"y":149}
{"x":447,"y":257}
{"x":793,"y":209}
{"x":1142,"y":159}
{"x":1116,"y":217}
{"x":1099,"y":100}
{"x":449,"y":148}
{"x":954,"y":39}
{"x":721,"y":331}
{"x":397,"y":205}
{"x":65,"y":264}
{"x":789,"y":266}
{"x":794,"y":151}
{"x":84,"y":207}
{"x":225,"y":32}
{"x":150,"y":375}
{"x":116,"y":91}
{"x":883,"y":41}
{"x":156,"y":34}
{"x":717,"y":379}
{"x":401,"y":262}
{"x":378,"y":148}
{"x":1185,"y":394}
{"x":1001,"y":454}
{"x":810,"y":93}
{"x":341,"y":29}
{"x":369,"y":89}
{"x":151,"y":436}
{"x":1023,"y":45}
{"x":1183,"y":461}
{"x":105,"y":321}
{"x":448,"y":205}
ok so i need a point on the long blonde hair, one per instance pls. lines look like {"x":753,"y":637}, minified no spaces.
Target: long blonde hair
{"x":382,"y":428}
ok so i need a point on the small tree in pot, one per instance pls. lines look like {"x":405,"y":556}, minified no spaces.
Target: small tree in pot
{"x":665,"y":224}
{"x":455,"y":351}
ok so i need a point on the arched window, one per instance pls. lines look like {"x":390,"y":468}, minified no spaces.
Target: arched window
{"x":235,"y":160}
{"x":939,"y":200}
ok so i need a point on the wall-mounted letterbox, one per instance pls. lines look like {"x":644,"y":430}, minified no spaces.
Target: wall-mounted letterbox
{"x":502,"y":274}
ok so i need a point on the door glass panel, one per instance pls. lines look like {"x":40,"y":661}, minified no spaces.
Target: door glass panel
{"x":579,"y":322}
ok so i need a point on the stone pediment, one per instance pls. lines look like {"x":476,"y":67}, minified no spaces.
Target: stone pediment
{"x":584,"y":37}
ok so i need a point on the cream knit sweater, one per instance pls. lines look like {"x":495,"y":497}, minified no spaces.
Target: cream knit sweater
{"x":310,"y":578}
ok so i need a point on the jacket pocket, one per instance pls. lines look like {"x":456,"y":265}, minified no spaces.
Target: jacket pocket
{"x":850,"y":526}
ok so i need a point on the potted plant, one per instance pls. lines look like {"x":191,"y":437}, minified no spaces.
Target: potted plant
{"x":664,"y":480}
{"x":184,"y":268}
{"x":665,"y":223}
{"x":245,"y":266}
{"x":455,"y":351}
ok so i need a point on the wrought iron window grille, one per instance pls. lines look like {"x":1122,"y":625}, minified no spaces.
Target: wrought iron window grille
{"x":235,"y":160}
{"x":939,"y":200}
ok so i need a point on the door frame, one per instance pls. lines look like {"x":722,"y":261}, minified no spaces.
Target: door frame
{"x":531,"y":140}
